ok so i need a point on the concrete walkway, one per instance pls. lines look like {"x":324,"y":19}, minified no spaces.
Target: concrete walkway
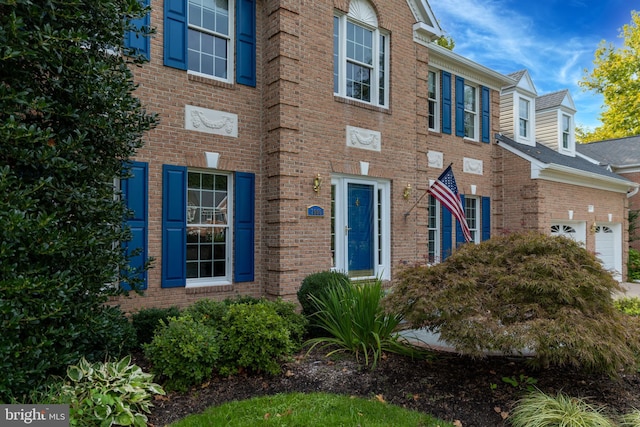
{"x":431,"y":340}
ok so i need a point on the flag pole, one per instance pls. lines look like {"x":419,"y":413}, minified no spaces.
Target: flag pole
{"x":421,"y":197}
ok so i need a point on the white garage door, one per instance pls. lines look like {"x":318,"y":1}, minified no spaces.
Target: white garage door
{"x":608,"y":248}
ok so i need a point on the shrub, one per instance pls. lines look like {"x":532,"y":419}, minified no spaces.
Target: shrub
{"x":184,"y":351}
{"x":315,"y":285}
{"x":60,"y":151}
{"x":518,"y":292}
{"x":147,"y":321}
{"x":296,"y":322}
{"x":630,"y":306}
{"x":254,"y":337}
{"x":108,"y":335}
{"x":633,"y":265}
{"x":111,"y":393}
{"x":207,"y":311}
{"x":355,"y":321}
{"x":541,"y":410}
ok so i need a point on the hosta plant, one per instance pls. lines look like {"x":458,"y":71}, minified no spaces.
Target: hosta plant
{"x":110,"y":393}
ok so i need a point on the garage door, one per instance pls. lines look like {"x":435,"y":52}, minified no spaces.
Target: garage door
{"x":573,"y":230}
{"x":608,"y":248}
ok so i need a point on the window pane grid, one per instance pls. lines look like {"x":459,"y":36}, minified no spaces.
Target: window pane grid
{"x":471,"y":213}
{"x":207,"y":225}
{"x":470,"y":107}
{"x":432,"y":99}
{"x":209,"y":37}
{"x":433,"y":231}
{"x":360,"y":55}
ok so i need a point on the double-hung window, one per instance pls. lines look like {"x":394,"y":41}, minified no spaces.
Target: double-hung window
{"x":210,"y":49}
{"x":470,"y":112}
{"x":208,"y":227}
{"x":471,"y":212}
{"x":433,"y":226}
{"x":361,"y":56}
{"x":523,"y":114}
{"x":215,"y":39}
{"x":566,"y":132}
{"x":432,"y":95}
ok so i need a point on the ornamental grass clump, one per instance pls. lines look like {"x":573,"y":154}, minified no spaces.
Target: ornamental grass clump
{"x":355,"y":321}
{"x":541,"y":410}
{"x":522,"y":293}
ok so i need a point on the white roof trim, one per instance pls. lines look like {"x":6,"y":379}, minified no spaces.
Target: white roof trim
{"x":427,"y":25}
{"x":447,"y":60}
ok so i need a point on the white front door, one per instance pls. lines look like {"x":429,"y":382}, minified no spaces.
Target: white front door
{"x":360,"y":221}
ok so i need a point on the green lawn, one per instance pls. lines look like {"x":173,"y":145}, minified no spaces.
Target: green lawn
{"x":310,"y":410}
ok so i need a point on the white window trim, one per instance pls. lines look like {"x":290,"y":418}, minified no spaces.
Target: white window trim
{"x":436,"y":101}
{"x":437,"y":250}
{"x":531,"y":134}
{"x":526,"y":119}
{"x":571,"y":149}
{"x":342,"y":58}
{"x":227,"y":279}
{"x":230,"y":46}
{"x":476,"y":124}
{"x":383,"y":269}
{"x":477,"y":231}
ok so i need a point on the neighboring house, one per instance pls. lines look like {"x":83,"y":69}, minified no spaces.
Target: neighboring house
{"x":296,"y":138}
{"x":560,"y":193}
{"x":622,"y":156}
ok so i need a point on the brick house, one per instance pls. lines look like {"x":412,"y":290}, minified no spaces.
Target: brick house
{"x":296,"y":138}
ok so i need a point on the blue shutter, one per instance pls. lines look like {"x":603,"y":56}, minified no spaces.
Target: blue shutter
{"x":244,"y":226}
{"x":486,"y":117}
{"x":459,"y":106}
{"x":174,"y":226}
{"x":446,"y":102}
{"x":175,"y":34}
{"x":446,"y":233}
{"x":486,"y":218}
{"x":246,"y":42}
{"x":135,"y":196}
{"x":138,"y":43}
{"x":459,"y":235}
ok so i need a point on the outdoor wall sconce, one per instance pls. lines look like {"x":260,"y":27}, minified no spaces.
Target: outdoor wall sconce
{"x":317,"y":183}
{"x":594,"y":226}
{"x":407,"y":192}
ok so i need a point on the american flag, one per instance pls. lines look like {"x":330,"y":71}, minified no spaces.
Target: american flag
{"x":445,"y":190}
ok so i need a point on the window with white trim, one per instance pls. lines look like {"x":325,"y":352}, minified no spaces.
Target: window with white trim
{"x":433,"y":227}
{"x":523,"y":118}
{"x":470,"y":112}
{"x":566,"y":132}
{"x":433,"y":89}
{"x":208,"y":227}
{"x":210,"y":47}
{"x":360,"y":52}
{"x":472,"y":213}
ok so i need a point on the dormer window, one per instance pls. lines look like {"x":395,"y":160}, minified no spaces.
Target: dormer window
{"x":566,"y":132}
{"x":524,"y":118}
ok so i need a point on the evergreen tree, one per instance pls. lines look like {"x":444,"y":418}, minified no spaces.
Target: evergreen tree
{"x":69,"y":120}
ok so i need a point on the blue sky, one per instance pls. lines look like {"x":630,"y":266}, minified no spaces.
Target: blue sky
{"x":554,"y":39}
